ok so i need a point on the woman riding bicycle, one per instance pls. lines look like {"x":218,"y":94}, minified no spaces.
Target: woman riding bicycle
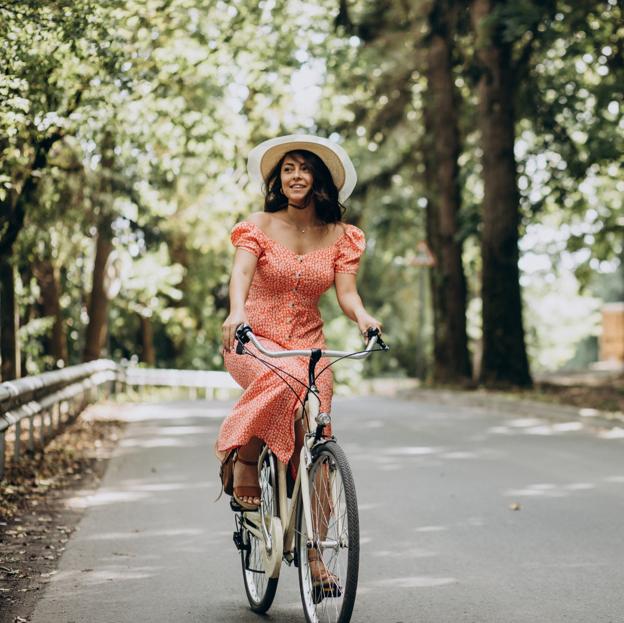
{"x":286,"y":257}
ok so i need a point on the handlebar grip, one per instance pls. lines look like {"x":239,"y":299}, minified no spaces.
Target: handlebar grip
{"x":242,"y":338}
{"x":371,"y":333}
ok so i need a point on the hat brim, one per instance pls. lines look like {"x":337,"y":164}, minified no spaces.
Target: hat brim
{"x":264,"y":157}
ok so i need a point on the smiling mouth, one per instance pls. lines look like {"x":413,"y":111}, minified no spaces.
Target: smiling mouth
{"x":297,"y":187}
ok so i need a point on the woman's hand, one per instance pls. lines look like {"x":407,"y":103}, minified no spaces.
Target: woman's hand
{"x":228,"y":329}
{"x":365,"y":322}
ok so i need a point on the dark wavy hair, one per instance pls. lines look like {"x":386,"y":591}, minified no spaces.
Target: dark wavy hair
{"x":324,"y":192}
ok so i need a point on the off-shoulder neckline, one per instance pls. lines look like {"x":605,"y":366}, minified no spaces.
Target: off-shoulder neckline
{"x":283,"y":246}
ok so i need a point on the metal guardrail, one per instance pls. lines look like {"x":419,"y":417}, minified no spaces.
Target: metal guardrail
{"x":206,"y":380}
{"x":53,"y":398}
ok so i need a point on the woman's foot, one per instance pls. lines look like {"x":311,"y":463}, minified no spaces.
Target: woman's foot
{"x":321,"y":576}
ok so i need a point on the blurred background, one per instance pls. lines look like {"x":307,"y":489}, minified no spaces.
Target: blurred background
{"x":488,"y":139}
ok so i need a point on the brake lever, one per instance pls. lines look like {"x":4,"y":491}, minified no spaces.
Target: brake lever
{"x":371,"y":333}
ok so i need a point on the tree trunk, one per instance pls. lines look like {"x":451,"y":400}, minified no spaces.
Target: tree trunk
{"x":504,"y":354}
{"x":48,"y":278}
{"x":98,"y":301}
{"x":9,"y":323}
{"x":147,"y":340}
{"x":448,"y":283}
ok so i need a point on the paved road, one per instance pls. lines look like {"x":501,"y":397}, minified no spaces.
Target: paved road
{"x":440,"y":541}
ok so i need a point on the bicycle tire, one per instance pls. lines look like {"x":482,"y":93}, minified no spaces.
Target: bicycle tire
{"x":260,"y":588}
{"x":339,"y":547}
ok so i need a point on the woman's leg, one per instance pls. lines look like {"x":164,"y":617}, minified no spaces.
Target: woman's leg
{"x":246,"y":475}
{"x":321,"y":503}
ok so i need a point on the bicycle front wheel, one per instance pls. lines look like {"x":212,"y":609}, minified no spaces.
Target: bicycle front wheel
{"x":261,"y":542}
{"x":329,"y":561}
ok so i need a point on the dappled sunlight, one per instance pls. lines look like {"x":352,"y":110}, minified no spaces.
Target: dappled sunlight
{"x":103,"y":497}
{"x":536,"y":427}
{"x":133,"y":491}
{"x":415,"y":581}
{"x":188,"y":410}
{"x":412,"y":451}
{"x":170,"y":486}
{"x":402,"y":553}
{"x":187,"y":430}
{"x":363,"y":507}
{"x":159,"y":442}
{"x":93,"y":577}
{"x":458,"y":455}
{"x":612,"y":433}
{"x":549,"y":490}
{"x":524,"y":422}
{"x":146,"y":534}
{"x":431,"y":529}
{"x":587,"y":412}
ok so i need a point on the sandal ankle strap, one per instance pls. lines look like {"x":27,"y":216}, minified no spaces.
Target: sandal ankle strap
{"x":244,"y":462}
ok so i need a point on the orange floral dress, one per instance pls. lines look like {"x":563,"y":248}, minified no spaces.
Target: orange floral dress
{"x":282,"y":308}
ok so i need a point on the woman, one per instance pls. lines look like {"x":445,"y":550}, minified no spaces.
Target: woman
{"x":286,"y":257}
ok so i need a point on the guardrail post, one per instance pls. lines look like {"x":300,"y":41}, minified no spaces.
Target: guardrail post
{"x":17,"y":445}
{"x":42,"y":428}
{"x":31,"y":434}
{"x":1,"y":455}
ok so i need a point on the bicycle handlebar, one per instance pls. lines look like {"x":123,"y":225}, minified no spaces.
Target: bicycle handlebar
{"x":244,"y":334}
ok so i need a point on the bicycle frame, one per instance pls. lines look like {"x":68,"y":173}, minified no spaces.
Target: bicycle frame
{"x":281,"y":544}
{"x":287,"y":512}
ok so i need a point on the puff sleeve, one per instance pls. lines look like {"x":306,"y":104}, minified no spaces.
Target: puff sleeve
{"x":245,"y":236}
{"x":350,"y":249}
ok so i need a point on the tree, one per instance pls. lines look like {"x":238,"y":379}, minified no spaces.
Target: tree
{"x":407,"y":146}
{"x":504,"y":358}
{"x":442,"y":148}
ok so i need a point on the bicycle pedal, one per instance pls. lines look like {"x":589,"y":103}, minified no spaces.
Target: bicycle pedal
{"x":237,"y":537}
{"x":322,"y":592}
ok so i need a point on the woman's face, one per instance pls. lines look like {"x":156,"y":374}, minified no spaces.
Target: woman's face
{"x":296,"y":178}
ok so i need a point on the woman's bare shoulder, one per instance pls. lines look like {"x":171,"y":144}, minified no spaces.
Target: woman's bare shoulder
{"x":338,"y":229}
{"x":261,"y":219}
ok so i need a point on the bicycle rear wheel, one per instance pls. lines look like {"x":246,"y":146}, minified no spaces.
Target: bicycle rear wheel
{"x":256,"y":552}
{"x":335,"y":542}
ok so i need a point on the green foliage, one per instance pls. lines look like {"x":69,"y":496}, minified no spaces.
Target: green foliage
{"x":147,"y":109}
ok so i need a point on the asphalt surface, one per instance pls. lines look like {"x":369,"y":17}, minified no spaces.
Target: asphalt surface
{"x":437,"y":482}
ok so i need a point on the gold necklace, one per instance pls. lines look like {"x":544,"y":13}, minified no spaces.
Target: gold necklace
{"x":304,"y":229}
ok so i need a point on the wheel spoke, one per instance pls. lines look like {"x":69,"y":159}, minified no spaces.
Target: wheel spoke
{"x":331,"y":487}
{"x":259,"y":586}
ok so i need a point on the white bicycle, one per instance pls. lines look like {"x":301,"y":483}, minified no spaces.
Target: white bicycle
{"x":319,"y":526}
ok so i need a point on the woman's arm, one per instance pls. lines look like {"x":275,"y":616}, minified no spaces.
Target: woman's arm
{"x":240,"y":281}
{"x":351,"y":303}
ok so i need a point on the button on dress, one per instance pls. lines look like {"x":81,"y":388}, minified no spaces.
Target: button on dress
{"x":282,"y":309}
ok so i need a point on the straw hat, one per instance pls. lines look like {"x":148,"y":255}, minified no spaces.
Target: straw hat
{"x":263,"y":158}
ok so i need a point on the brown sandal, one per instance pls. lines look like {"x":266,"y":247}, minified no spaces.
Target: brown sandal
{"x":326,"y":584}
{"x":249,"y":491}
